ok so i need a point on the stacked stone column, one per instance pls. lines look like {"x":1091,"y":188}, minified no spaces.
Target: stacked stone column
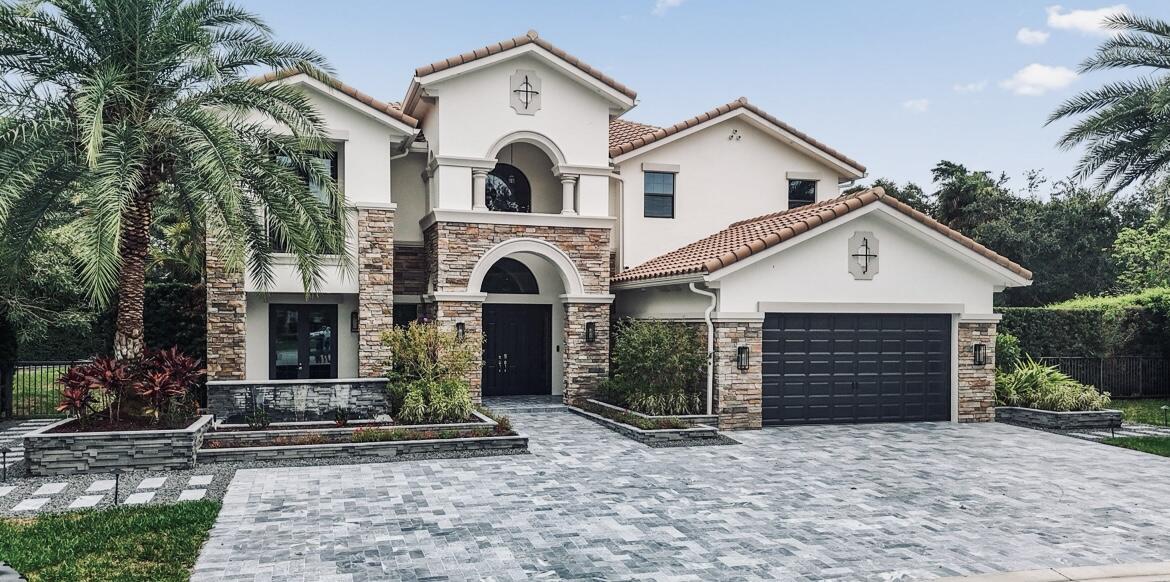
{"x":976,"y":383}
{"x":449,"y":314}
{"x":586,"y":364}
{"x":227,"y":306}
{"x":375,"y":257}
{"x":739,"y":394}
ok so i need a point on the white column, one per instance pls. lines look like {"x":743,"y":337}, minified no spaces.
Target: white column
{"x":568,"y":194}
{"x":479,"y":188}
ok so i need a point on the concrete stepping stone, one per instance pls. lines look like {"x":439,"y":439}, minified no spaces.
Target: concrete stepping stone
{"x":200,"y":480}
{"x":31,"y":504}
{"x":152,"y":483}
{"x":139,"y":498}
{"x":50,"y":489}
{"x":100,"y":486}
{"x":6,"y":490}
{"x":86,"y":501}
{"x":192,"y":494}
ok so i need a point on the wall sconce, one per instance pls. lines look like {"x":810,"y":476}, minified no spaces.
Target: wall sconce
{"x":353,"y":321}
{"x":460,"y":331}
{"x":980,"y":354}
{"x":741,"y":357}
{"x":590,"y":332}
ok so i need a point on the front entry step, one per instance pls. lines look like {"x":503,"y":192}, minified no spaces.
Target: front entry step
{"x":525,"y":404}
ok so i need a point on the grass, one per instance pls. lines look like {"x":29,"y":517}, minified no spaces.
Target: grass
{"x":148,"y":543}
{"x":36,"y":391}
{"x":1153,"y":445}
{"x":1144,"y":411}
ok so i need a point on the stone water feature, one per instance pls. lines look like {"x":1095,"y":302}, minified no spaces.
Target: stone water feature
{"x":298,"y":400}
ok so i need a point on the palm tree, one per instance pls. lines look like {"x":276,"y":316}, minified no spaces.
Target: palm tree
{"x":107,"y":105}
{"x":1125,"y":125}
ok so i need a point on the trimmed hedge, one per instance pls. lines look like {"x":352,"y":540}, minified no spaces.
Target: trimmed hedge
{"x":1126,"y":325}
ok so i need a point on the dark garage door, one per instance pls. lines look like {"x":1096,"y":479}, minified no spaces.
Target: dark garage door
{"x":822,"y":368}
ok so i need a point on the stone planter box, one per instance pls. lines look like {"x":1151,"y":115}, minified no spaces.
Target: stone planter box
{"x":691,"y":419}
{"x":73,"y":453}
{"x":661,"y":436}
{"x":293,"y":398}
{"x":495,"y":444}
{"x":329,"y":429}
{"x":1058,"y":420}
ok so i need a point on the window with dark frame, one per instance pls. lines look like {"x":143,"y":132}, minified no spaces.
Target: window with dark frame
{"x":404,"y":313}
{"x":801,"y":193}
{"x":328,"y":160}
{"x":658,"y":195}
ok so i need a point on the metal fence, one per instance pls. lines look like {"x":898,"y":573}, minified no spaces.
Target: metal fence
{"x":1120,"y":376}
{"x":33,"y":390}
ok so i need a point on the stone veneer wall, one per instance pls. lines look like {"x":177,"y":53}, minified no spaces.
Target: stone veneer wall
{"x":586,"y":364}
{"x":470,"y":313}
{"x":976,"y":383}
{"x":362,"y":397}
{"x":226,"y":315}
{"x":410,"y":269}
{"x":739,"y":394}
{"x":375,"y":240}
{"x":63,"y":453}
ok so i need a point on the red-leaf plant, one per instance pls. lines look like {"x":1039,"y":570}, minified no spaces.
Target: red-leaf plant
{"x":166,"y":378}
{"x":76,"y":400}
{"x":103,"y":375}
{"x":161,"y":380}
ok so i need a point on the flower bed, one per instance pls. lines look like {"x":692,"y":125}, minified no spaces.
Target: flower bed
{"x":50,"y":452}
{"x":645,"y":429}
{"x":225,"y":434}
{"x":1058,"y":420}
{"x":689,"y":419}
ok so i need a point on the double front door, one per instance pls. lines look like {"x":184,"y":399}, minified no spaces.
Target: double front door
{"x":517,"y":355}
{"x":302,"y":341}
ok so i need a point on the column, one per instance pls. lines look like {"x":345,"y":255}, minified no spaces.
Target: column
{"x":479,"y":188}
{"x":375,"y":238}
{"x":976,"y":382}
{"x":586,"y":363}
{"x":226,"y":315}
{"x":739,"y":393}
{"x":568,"y":194}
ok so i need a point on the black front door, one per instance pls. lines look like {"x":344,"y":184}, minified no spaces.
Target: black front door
{"x":516,"y":353}
{"x":302,"y":341}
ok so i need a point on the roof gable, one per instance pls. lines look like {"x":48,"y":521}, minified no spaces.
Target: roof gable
{"x":752,"y":236}
{"x":392,"y":110}
{"x":627,"y":140}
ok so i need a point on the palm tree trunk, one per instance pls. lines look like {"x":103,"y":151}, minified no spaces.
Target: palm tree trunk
{"x":129,"y":330}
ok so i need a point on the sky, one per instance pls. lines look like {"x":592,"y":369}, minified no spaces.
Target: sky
{"x":897,"y":85}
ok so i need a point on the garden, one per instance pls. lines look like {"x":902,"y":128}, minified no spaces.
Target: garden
{"x":656,"y":392}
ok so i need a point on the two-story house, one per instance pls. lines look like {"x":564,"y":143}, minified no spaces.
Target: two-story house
{"x":507,"y":194}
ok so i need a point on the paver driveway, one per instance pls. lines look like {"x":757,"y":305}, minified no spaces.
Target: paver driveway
{"x":876,"y":502}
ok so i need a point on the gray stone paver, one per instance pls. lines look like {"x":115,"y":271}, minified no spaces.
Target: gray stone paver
{"x":877,"y":502}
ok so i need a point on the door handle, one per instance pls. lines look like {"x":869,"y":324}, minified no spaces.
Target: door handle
{"x":505,"y":363}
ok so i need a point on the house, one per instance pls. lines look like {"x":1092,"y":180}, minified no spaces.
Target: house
{"x":507,"y":194}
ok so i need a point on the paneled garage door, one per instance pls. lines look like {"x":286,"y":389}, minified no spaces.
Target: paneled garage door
{"x":822,"y":368}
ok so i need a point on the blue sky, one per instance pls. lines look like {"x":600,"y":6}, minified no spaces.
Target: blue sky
{"x":897,"y":85}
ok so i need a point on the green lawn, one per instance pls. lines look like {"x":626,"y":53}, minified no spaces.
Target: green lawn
{"x":1143,"y":411}
{"x":36,"y":392}
{"x":148,"y":543}
{"x":1152,"y":445}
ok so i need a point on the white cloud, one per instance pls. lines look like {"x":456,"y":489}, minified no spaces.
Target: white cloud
{"x":1036,"y":79}
{"x":1087,"y":21}
{"x":916,"y":105}
{"x":661,"y":6}
{"x":1029,"y":36}
{"x":975,"y":87}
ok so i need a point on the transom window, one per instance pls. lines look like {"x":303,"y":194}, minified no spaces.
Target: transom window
{"x":508,"y":190}
{"x":801,"y":192}
{"x":509,"y":276}
{"x":658,"y":195}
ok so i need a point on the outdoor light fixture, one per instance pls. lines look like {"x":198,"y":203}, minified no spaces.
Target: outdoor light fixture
{"x":4,"y":461}
{"x":353,"y":321}
{"x":460,"y":330}
{"x":590,"y":331}
{"x":980,"y":354}
{"x":741,"y":357}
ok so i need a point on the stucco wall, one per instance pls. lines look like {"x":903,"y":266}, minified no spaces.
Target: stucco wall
{"x":719,"y":182}
{"x":257,"y":324}
{"x":408,"y":192}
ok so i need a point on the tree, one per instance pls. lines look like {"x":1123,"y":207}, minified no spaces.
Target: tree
{"x":107,"y":105}
{"x":1142,"y":256}
{"x":1124,"y":125}
{"x":965,"y":198}
{"x":910,"y":193}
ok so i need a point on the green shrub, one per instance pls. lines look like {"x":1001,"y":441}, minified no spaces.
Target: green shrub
{"x":659,"y":368}
{"x":1122,"y":325}
{"x":426,"y":351}
{"x":426,"y":401}
{"x":1031,"y":384}
{"x":1007,"y":351}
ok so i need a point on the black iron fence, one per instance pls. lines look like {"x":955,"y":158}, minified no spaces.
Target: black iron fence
{"x":1120,"y":376}
{"x":33,"y":390}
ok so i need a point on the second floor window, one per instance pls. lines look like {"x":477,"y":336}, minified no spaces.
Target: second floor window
{"x":508,"y":189}
{"x":329,"y":163}
{"x":801,"y":193}
{"x":659,"y":195}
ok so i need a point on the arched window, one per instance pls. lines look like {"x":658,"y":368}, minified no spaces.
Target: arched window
{"x":508,"y":190}
{"x":509,"y":276}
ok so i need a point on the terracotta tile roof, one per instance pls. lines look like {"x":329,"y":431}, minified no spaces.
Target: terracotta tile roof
{"x":622,"y":131}
{"x":530,"y":38}
{"x":640,"y":141}
{"x":748,"y":237}
{"x":392,"y":109}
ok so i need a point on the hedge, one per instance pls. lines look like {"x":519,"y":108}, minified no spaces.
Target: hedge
{"x":174,"y":313}
{"x":1124,"y":325}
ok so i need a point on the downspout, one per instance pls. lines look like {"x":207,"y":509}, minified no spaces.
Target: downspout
{"x":621,"y":220}
{"x":710,"y":345}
